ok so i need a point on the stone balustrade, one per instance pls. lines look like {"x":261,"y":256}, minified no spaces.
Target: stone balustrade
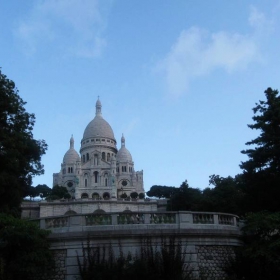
{"x":176,"y":220}
{"x":208,"y":238}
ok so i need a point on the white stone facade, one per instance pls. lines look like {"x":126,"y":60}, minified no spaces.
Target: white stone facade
{"x":101,"y":171}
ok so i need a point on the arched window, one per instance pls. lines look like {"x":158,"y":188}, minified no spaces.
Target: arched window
{"x":70,"y":212}
{"x":106,"y":179}
{"x":95,"y":196}
{"x":106,"y":195}
{"x":84,"y":158}
{"x":118,"y":169}
{"x":87,"y":156}
{"x":103,"y":155}
{"x":95,"y":177}
{"x":84,"y":195}
{"x":95,"y":159}
{"x":85,"y":180}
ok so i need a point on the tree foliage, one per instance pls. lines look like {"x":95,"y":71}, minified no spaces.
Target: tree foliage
{"x":265,"y":155}
{"x":58,"y":192}
{"x":261,"y":172}
{"x":185,"y":198}
{"x":134,"y":195}
{"x":161,"y":191}
{"x":42,"y":191}
{"x":24,"y":250}
{"x":259,"y":258}
{"x":226,"y":196}
{"x":20,"y":153}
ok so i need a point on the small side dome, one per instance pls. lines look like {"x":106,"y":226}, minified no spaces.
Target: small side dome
{"x":71,"y":156}
{"x":123,"y":154}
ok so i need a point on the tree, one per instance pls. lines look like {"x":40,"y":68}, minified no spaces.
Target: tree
{"x":185,"y":198}
{"x":259,"y":258}
{"x":20,"y":153}
{"x":24,"y":250}
{"x":261,"y":172}
{"x":134,"y":195}
{"x":141,"y":195}
{"x":161,"y":191}
{"x":43,"y":190}
{"x":123,"y":195}
{"x":226,"y":196}
{"x":31,"y":192}
{"x":58,"y":192}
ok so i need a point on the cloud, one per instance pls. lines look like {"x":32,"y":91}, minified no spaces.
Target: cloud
{"x":72,"y":26}
{"x":198,"y":52}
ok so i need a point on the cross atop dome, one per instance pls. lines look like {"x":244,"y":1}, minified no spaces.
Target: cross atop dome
{"x":98,"y":107}
{"x":72,"y":142}
{"x":123,"y":141}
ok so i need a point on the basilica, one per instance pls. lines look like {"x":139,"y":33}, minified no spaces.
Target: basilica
{"x":100,"y":171}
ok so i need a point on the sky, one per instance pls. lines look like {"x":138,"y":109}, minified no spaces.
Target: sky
{"x":178,"y":78}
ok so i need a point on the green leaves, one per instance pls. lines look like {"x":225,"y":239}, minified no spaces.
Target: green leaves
{"x":260,"y":257}
{"x":24,"y":249}
{"x":58,"y":192}
{"x":20,"y":154}
{"x":266,"y":151}
{"x":261,"y":172}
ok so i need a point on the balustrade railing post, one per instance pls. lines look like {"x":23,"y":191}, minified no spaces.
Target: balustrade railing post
{"x":83,"y":220}
{"x":114,"y":219}
{"x":216,"y":219}
{"x":184,"y":218}
{"x":42,"y":224}
{"x":234,"y":221}
{"x":147,"y":218}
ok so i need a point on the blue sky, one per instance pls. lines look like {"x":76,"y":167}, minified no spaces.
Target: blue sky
{"x":178,"y":78}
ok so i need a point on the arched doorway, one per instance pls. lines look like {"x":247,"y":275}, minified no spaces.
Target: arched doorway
{"x":106,"y":196}
{"x":84,"y":195}
{"x":95,"y":196}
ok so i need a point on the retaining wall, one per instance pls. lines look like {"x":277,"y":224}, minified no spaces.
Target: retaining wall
{"x":209,"y":238}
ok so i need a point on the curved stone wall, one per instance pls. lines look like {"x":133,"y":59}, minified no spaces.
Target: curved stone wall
{"x":209,"y":238}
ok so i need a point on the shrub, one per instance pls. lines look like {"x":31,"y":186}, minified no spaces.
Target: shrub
{"x":153,"y":262}
{"x":24,"y":250}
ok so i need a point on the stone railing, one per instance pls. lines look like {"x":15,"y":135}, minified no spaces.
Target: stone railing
{"x":179,"y":220}
{"x":203,"y":218}
{"x":163,"y":218}
{"x":57,"y":222}
{"x":98,"y":219}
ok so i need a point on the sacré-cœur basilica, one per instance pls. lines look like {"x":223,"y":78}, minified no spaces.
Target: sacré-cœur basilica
{"x":101,"y":171}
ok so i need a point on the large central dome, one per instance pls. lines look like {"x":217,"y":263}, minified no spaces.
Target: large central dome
{"x":98,"y":127}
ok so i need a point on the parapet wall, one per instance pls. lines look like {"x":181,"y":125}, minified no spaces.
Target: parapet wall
{"x":209,"y":238}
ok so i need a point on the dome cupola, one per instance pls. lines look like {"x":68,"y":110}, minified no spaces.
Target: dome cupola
{"x":71,"y":156}
{"x":123,"y":154}
{"x":98,"y":127}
